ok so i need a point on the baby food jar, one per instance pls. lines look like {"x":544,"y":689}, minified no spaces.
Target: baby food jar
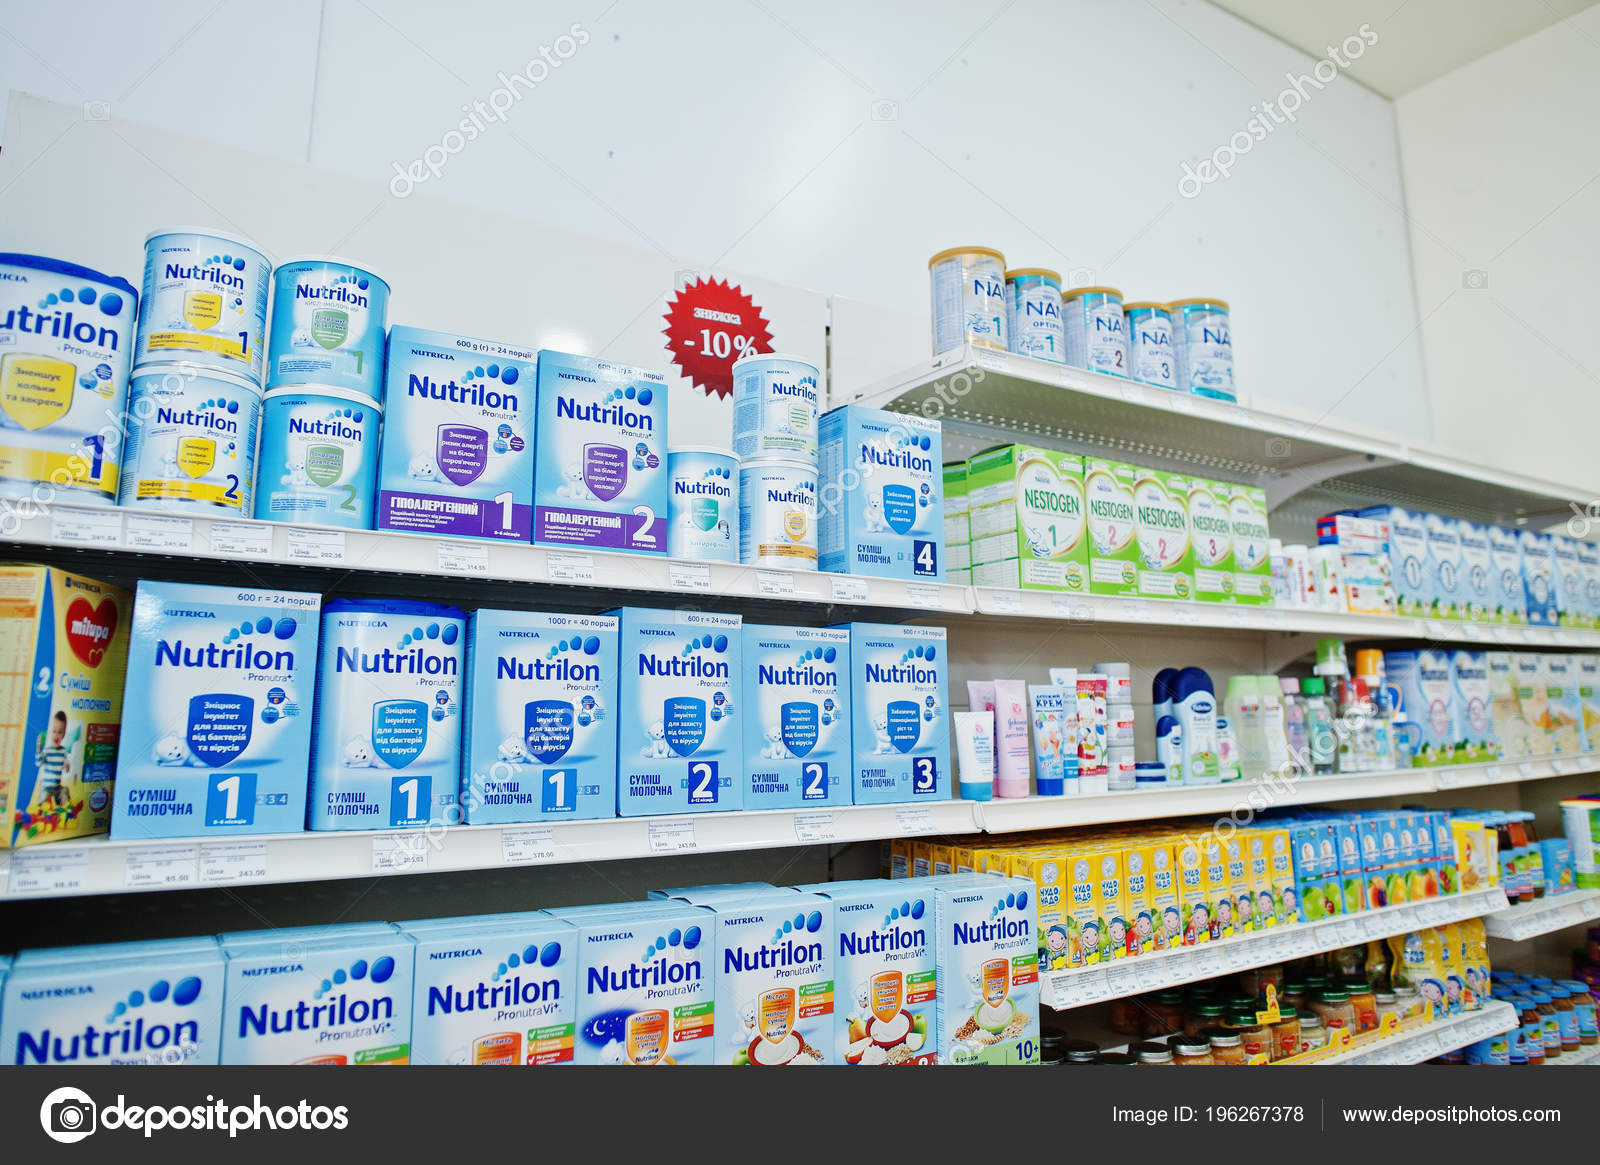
{"x":1566,"y":1017}
{"x":1550,"y":1028}
{"x":1202,"y":1016}
{"x":1387,"y":1005}
{"x":1191,"y":1051}
{"x":1226,"y":1046}
{"x":1117,"y":1058}
{"x":1163,"y":1014}
{"x":1257,"y":1040}
{"x":1152,"y":1053}
{"x":1531,"y":1033}
{"x":1255,"y":981}
{"x":1079,"y":1051}
{"x":1292,"y":994}
{"x":1286,"y":1034}
{"x":1312,"y":1034}
{"x":1122,"y":1015}
{"x":1333,"y":1005}
{"x":1364,"y":1004}
{"x":1583,"y":1003}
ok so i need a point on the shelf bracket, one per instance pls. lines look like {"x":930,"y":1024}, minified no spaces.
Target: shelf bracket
{"x":1281,"y":487}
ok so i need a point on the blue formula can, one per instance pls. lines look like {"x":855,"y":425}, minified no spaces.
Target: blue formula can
{"x":703,"y":503}
{"x":204,"y":301}
{"x":1203,"y":341}
{"x":191,"y":441}
{"x":319,"y":457}
{"x":328,"y":321}
{"x":776,"y":401}
{"x":1150,"y":355}
{"x":1096,"y":332}
{"x":1033,"y":314}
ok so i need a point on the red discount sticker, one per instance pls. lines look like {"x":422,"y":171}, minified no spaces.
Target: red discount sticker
{"x":710,"y":324}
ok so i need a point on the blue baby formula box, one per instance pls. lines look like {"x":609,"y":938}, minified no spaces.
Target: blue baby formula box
{"x":319,"y":457}
{"x":204,"y":301}
{"x":328,"y":321}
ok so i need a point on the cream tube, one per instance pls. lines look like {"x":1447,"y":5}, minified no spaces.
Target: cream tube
{"x":1012,"y":753}
{"x":975,"y":755}
{"x":1048,"y":703}
{"x":980,"y":698}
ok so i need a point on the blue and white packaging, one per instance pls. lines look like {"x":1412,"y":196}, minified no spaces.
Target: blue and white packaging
{"x":679,"y":745}
{"x":1589,"y":565}
{"x":493,"y":991}
{"x":796,"y":716}
{"x":880,"y":503}
{"x":899,"y":713}
{"x":1423,"y":683}
{"x":600,"y":477}
{"x":386,"y":739}
{"x":342,"y":996}
{"x":1475,"y":600}
{"x":1409,"y":563}
{"x":1202,"y":340}
{"x":216,"y":730}
{"x":1444,"y":556}
{"x":703,"y":504}
{"x":458,"y":437}
{"x":1095,"y":329}
{"x":1539,"y":580}
{"x":114,"y":1003}
{"x":541,"y":738}
{"x":1572,"y":591}
{"x":1510,"y":596}
{"x":319,"y":457}
{"x":191,"y":444}
{"x":776,"y":401}
{"x":204,"y":300}
{"x":328,"y":317}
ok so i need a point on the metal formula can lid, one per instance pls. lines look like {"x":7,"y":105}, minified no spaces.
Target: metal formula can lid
{"x":974,"y":250}
{"x":338,"y":261}
{"x":213,"y":233}
{"x":1203,"y":302}
{"x":1077,"y":291}
{"x":713,"y":449}
{"x":313,"y":389}
{"x":185,"y":371}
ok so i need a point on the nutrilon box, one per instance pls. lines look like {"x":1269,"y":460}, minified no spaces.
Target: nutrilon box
{"x":880,"y":479}
{"x":898,"y":709}
{"x":1252,"y":563}
{"x":1113,"y":528}
{"x":64,"y":645}
{"x":988,"y":959}
{"x":601,"y":478}
{"x":796,"y":693}
{"x":1027,"y":504}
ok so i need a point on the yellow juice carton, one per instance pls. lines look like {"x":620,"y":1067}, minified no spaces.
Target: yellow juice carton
{"x":1219,"y":890}
{"x":1194,"y":896}
{"x":1239,"y":885}
{"x":63,"y":655}
{"x":962,"y":859}
{"x":900,"y":857}
{"x":1166,"y":911}
{"x":921,"y":858}
{"x":1281,"y":866}
{"x":1111,"y":902}
{"x":1136,"y":899}
{"x":1044,"y":868}
{"x":1083,"y":909}
{"x":1477,"y":863}
{"x":940,"y":854}
{"x":1259,"y":858}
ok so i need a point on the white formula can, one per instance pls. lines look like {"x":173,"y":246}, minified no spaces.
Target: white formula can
{"x":319,"y":457}
{"x":1150,"y":354}
{"x":969,"y":298}
{"x":778,"y":514}
{"x":1203,"y":341}
{"x":1033,"y":314}
{"x":204,"y":301}
{"x":191,"y":441}
{"x":703,"y":503}
{"x":1096,"y":332}
{"x":776,"y":400}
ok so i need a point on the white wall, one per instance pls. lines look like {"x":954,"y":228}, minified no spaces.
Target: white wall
{"x":744,"y":133}
{"x":1502,"y":174}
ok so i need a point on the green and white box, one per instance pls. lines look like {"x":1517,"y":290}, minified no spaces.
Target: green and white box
{"x":1161,"y":517}
{"x":955,"y":506}
{"x":1252,"y":562}
{"x":1027,"y":505}
{"x":1113,"y":533}
{"x":1211,"y":535}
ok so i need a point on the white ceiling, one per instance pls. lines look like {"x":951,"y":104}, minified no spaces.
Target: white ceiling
{"x":1417,"y":40}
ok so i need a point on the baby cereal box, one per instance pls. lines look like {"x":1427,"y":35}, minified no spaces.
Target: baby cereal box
{"x":1444,"y":552}
{"x":1409,"y":563}
{"x":1571,"y":586}
{"x":541,"y":733}
{"x":1423,"y":682}
{"x":1586,"y":670}
{"x":646,"y":974}
{"x":679,"y":748}
{"x":601,"y":477}
{"x":1509,"y":598}
{"x":66,"y":337}
{"x":386,"y":737}
{"x":796,"y":692}
{"x":879,"y":509}
{"x":899,"y":713}
{"x":64,"y":647}
{"x":884,"y":972}
{"x":1108,"y":488}
{"x":988,"y":959}
{"x":1539,"y":581}
{"x":493,"y":992}
{"x":114,"y":1003}
{"x":1211,"y":528}
{"x":775,"y":977}
{"x":1476,"y":600}
{"x":458,"y":435}
{"x":1473,"y":694}
{"x":1161,"y":520}
{"x":1533,"y":694}
{"x":338,"y":997}
{"x":1566,"y":706}
{"x":1505,"y":707}
{"x":1027,"y":504}
{"x":217,"y":733}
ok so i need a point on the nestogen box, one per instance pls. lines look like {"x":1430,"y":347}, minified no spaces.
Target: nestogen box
{"x":1161,"y":521}
{"x":1211,"y":538}
{"x":1252,"y":564}
{"x":955,"y":505}
{"x":1113,"y":548}
{"x":1027,"y":504}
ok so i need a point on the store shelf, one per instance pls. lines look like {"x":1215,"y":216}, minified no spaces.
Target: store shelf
{"x":1448,"y":1034}
{"x":998,"y":396}
{"x":233,"y":544}
{"x":1544,"y":915}
{"x":1156,"y":972}
{"x":102,"y":866}
{"x":1583,"y":1056}
{"x":1013,"y":816}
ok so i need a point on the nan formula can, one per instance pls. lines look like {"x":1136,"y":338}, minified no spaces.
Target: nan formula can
{"x":703,"y":503}
{"x":1097,"y":334}
{"x":1033,"y":314}
{"x":1150,"y":353}
{"x":191,"y":441}
{"x":778,"y":514}
{"x":204,"y":301}
{"x":328,"y":321}
{"x":1203,"y":341}
{"x":969,"y":298}
{"x":319,"y":457}
{"x":776,"y":401}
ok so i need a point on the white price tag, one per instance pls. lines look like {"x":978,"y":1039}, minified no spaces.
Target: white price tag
{"x":1529,"y":634}
{"x":462,"y":557}
{"x":1328,"y":936}
{"x":324,"y":546}
{"x":1208,"y":961}
{"x":43,"y":872}
{"x":1136,"y":610}
{"x":167,"y":866}
{"x":398,"y":855}
{"x":1133,"y":393}
{"x":1492,"y":774}
{"x":1154,"y":974}
{"x":848,"y":590}
{"x":1180,"y":402}
{"x":147,"y":533}
{"x":909,"y":819}
{"x":86,"y":527}
{"x":672,"y":837}
{"x":569,"y":568}
{"x":1123,"y":978}
{"x":1089,"y":986}
{"x":924,"y":595}
{"x":244,"y":539}
{"x":989,"y":358}
{"x":1237,"y":955}
{"x":688,"y":576}
{"x":1449,"y":778}
{"x":1179,"y":967}
{"x":1275,"y":619}
{"x":1527,"y":770}
{"x":527,"y":843}
{"x":5,"y":874}
{"x":1432,"y":628}
{"x":1185,"y":613}
{"x":1501,"y":634}
{"x":1350,"y":933}
{"x":775,"y":582}
{"x":1233,"y":616}
{"x":814,"y":827}
{"x":1565,"y":765}
{"x":1566,"y":639}
{"x":1006,"y":602}
{"x":233,"y":861}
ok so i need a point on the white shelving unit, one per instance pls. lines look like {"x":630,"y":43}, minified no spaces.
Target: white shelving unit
{"x":1448,"y":1034}
{"x":1156,"y":972}
{"x":1588,"y":1056}
{"x":1544,"y":915}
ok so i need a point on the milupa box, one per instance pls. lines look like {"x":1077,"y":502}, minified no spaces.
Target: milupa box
{"x":1113,"y":531}
{"x":880,"y":478}
{"x":541,"y":734}
{"x":1409,"y":563}
{"x":1252,"y":563}
{"x":216,"y":733}
{"x":1476,"y":600}
{"x":679,"y":747}
{"x":775,"y":988}
{"x":114,"y":1003}
{"x":1572,"y":589}
{"x":884,"y":972}
{"x":900,"y":732}
{"x":988,"y":959}
{"x":1211,"y":532}
{"x":1161,"y":521}
{"x":338,"y":997}
{"x":1508,"y":596}
{"x":493,"y":991}
{"x":601,"y":477}
{"x":796,"y":694}
{"x":1424,"y":681}
{"x":1539,"y":580}
{"x":458,"y":437}
{"x":1027,"y":504}
{"x":1444,"y":553}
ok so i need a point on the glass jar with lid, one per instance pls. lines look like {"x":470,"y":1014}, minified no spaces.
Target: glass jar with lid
{"x":1123,"y":1016}
{"x":1079,"y":1051}
{"x":1252,"y":1033}
{"x":1226,"y":1046}
{"x":1120,"y":1059}
{"x":1364,"y":1003}
{"x":1312,"y":1033}
{"x":1388,"y":1004}
{"x":1293,"y":994}
{"x":1150,"y":1052}
{"x":1583,"y":1003}
{"x":1530,"y":1035}
{"x":1190,"y":1051}
{"x":1200,"y":1016}
{"x":1163,"y":1013}
{"x":1333,"y":1005}
{"x":1566,"y":1018}
{"x":1551,"y":1029}
{"x":1286,"y":1034}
